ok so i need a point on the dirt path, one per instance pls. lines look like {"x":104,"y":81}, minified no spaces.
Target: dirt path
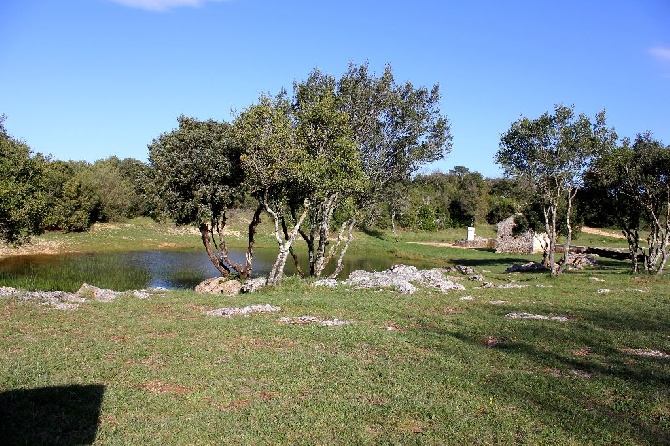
{"x":441,"y":244}
{"x":602,"y":232}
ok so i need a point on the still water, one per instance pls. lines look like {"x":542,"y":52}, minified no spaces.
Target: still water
{"x":141,"y":269}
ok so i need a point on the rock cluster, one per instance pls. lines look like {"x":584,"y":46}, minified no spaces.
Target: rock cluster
{"x":579,"y":261}
{"x":244,"y":311}
{"x":402,"y":278}
{"x":230,"y":287}
{"x":219,"y":285}
{"x":99,"y":294}
{"x":62,"y":300}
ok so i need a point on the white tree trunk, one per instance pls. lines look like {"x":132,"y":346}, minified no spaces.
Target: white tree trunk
{"x":277,"y":271}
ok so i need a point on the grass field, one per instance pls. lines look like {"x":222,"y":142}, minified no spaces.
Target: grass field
{"x":427,"y":368}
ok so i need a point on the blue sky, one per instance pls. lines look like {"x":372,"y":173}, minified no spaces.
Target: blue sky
{"x":87,"y":79}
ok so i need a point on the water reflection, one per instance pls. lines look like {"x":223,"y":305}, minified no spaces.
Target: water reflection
{"x":141,"y":269}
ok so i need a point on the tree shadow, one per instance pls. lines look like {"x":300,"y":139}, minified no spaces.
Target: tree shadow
{"x":474,"y":262}
{"x":560,"y":396}
{"x":373,"y":232}
{"x":65,"y":415}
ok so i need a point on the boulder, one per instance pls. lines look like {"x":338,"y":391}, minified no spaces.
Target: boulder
{"x":100,"y":294}
{"x":219,"y":285}
{"x":402,"y":279}
{"x":253,"y":285}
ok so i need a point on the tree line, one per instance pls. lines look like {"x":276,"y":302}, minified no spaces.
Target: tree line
{"x":40,"y":194}
{"x":339,"y":153}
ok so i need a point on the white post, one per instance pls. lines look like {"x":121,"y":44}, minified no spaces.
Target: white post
{"x":471,"y":233}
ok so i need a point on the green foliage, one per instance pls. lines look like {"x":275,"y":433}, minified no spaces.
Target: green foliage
{"x":635,"y":181}
{"x":499,"y":208}
{"x":440,"y":200}
{"x":398,"y":128}
{"x":81,"y":194}
{"x":23,"y":203}
{"x":551,"y":153}
{"x":196,"y":171}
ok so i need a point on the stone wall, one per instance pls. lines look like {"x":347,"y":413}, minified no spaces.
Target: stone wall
{"x":508,"y":243}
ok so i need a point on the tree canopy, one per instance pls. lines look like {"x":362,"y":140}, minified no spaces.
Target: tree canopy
{"x":325,"y":155}
{"x":634,"y":179}
{"x":23,"y":197}
{"x":552,"y":152}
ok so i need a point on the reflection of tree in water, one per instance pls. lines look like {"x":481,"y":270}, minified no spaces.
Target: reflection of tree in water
{"x":66,"y":415}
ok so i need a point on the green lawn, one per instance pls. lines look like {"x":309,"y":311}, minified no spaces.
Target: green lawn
{"x":427,"y":368}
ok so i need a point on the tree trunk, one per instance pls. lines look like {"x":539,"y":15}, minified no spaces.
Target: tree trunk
{"x":550,"y":220}
{"x":249,"y":256}
{"x":206,"y":234}
{"x":350,"y":237}
{"x":326,"y":214}
{"x":284,"y":228}
{"x":395,"y":234}
{"x":633,"y":239}
{"x":277,"y":271}
{"x":568,"y":238}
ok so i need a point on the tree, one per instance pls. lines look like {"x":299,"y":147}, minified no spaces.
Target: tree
{"x":274,"y":166}
{"x":468,"y":204}
{"x":398,"y":129}
{"x":23,"y":204}
{"x":198,"y":177}
{"x":309,"y":161}
{"x":74,"y":203}
{"x":635,"y":181}
{"x":333,"y":168}
{"x":301,"y":165}
{"x":552,"y":152}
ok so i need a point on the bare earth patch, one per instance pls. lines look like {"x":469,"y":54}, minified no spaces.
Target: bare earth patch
{"x":602,"y":232}
{"x":158,"y":386}
{"x":37,"y":246}
{"x":440,"y":244}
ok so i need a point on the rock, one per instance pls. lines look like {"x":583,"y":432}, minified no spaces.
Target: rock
{"x":59,"y":300}
{"x":536,"y":316}
{"x":308,"y":320}
{"x":219,"y":285}
{"x":253,"y":285}
{"x":244,"y":311}
{"x":331,"y":283}
{"x":511,"y":285}
{"x":99,"y":294}
{"x":466,"y":270}
{"x":579,"y":261}
{"x":402,"y":278}
{"x":141,"y":294}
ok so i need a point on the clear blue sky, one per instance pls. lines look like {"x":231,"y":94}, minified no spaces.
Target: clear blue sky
{"x":87,"y":79}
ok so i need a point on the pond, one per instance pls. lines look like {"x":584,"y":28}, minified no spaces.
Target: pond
{"x":141,"y":269}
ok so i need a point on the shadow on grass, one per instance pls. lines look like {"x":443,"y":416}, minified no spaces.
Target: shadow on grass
{"x":556,"y":388}
{"x":65,"y":415}
{"x":373,"y":232}
{"x":489,"y":261}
